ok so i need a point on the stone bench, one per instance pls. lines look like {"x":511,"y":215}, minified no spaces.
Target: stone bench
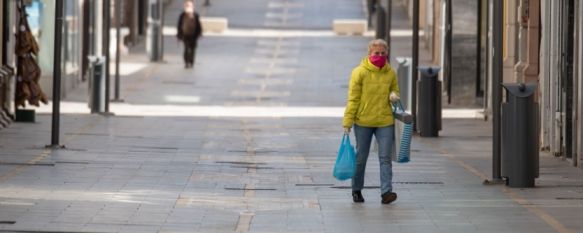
{"x":349,"y":26}
{"x":212,"y":24}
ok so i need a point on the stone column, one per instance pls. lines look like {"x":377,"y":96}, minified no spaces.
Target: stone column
{"x":510,"y":40}
{"x":530,"y":71}
{"x":545,"y":84}
{"x":521,"y":43}
{"x":554,"y":93}
{"x":527,"y":67}
{"x":437,"y":15}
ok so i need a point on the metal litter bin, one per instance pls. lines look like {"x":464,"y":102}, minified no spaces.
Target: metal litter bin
{"x":429,"y":98}
{"x":97,"y":84}
{"x":520,"y":136}
{"x":154,"y":45}
{"x":404,"y":72}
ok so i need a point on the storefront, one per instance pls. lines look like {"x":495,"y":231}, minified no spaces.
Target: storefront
{"x":561,"y":89}
{"x":6,"y":64}
{"x":41,"y":20}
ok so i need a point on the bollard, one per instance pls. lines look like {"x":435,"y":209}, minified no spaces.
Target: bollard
{"x":380,"y":27}
{"x":97,"y":84}
{"x":520,"y":136}
{"x":429,"y":98}
{"x":405,"y":81}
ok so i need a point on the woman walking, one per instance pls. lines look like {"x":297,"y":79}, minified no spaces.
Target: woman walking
{"x":373,"y":85}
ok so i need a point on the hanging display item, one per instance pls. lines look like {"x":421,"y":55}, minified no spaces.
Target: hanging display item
{"x":28,"y":71}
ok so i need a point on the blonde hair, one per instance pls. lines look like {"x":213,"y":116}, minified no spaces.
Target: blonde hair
{"x":377,"y":42}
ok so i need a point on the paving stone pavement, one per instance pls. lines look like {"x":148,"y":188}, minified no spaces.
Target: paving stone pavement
{"x":169,"y":161}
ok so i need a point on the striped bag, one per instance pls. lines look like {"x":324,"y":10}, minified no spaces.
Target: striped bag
{"x":403,"y":134}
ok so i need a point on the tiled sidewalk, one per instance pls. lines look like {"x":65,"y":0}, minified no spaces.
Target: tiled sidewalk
{"x":145,"y":171}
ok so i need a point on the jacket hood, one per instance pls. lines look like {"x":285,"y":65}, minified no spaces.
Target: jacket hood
{"x":365,"y":63}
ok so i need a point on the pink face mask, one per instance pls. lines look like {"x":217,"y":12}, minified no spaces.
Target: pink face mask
{"x":378,"y":60}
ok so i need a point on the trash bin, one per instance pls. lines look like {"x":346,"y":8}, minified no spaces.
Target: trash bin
{"x":429,"y":102}
{"x":97,"y":84}
{"x":154,"y":37}
{"x":404,"y":71}
{"x":520,"y":132}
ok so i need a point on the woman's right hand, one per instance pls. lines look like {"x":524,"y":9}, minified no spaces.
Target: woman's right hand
{"x":346,"y":130}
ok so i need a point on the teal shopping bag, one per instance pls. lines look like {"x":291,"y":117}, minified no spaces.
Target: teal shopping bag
{"x":345,"y":165}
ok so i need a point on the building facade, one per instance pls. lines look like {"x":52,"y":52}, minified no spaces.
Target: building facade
{"x":561,"y":88}
{"x":542,"y":44}
{"x":7,"y":81}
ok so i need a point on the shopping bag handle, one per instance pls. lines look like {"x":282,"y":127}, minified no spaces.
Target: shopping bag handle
{"x":344,"y":137}
{"x":398,"y":107}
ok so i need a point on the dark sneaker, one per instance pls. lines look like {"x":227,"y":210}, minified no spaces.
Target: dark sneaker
{"x":388,"y":197}
{"x":357,"y":197}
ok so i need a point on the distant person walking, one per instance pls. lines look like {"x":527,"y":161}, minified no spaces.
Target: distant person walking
{"x":373,"y":85}
{"x":189,"y":30}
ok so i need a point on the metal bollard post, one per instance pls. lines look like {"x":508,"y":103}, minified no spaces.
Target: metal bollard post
{"x":97,"y":84}
{"x":405,"y":81}
{"x":520,"y":136}
{"x":429,"y":107}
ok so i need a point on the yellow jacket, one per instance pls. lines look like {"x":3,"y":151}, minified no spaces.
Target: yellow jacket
{"x":368,"y":102}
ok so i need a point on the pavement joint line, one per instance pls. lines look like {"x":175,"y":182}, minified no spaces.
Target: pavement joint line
{"x":245,"y":218}
{"x":244,"y":222}
{"x":44,"y":153}
{"x":543,"y":215}
{"x":270,"y":69}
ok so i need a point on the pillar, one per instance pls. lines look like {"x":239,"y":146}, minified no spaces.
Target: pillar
{"x":510,"y":41}
{"x":544,"y":77}
{"x":530,"y":71}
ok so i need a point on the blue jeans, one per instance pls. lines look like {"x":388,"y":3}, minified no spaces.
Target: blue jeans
{"x":385,"y":137}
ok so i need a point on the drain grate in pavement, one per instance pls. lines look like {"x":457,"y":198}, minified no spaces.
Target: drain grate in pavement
{"x":178,"y":82}
{"x":27,"y":164}
{"x":257,"y":151}
{"x":36,"y":231}
{"x":395,"y":182}
{"x":314,"y":185}
{"x":72,"y":162}
{"x":255,"y":189}
{"x":254,"y":167}
{"x":129,"y":136}
{"x":156,"y":147}
{"x":569,"y":198}
{"x":75,"y":149}
{"x":239,"y":163}
{"x":89,"y":134}
{"x":349,"y":187}
{"x":418,"y":182}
